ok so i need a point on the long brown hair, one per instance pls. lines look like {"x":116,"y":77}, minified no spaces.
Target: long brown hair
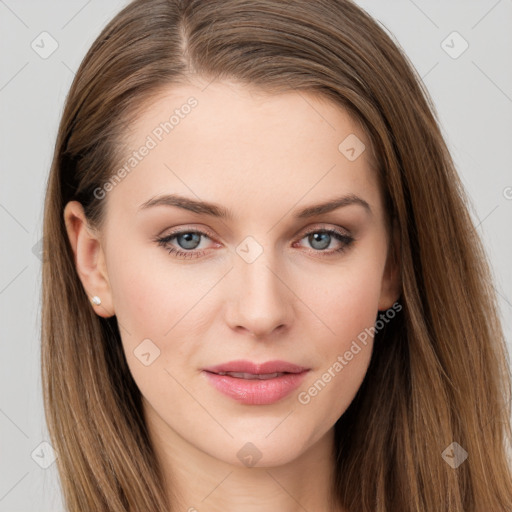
{"x":439,"y":372}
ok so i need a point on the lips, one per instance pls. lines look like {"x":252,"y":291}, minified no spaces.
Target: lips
{"x":256,"y":383}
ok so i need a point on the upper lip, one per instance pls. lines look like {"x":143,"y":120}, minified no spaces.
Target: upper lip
{"x":256,"y":368}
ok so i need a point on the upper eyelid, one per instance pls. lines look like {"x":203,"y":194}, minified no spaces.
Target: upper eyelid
{"x":301,"y":234}
{"x":305,"y":231}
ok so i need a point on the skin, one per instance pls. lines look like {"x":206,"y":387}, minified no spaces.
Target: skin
{"x":263,"y":157}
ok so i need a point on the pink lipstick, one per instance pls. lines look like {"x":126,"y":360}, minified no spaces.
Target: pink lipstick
{"x":256,"y":383}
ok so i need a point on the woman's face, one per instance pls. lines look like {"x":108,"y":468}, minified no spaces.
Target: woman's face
{"x":258,"y":274}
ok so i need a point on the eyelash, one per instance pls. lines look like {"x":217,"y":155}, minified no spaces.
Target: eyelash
{"x":193,"y":253}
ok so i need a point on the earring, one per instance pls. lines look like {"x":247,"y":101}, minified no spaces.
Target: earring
{"x":96,"y":300}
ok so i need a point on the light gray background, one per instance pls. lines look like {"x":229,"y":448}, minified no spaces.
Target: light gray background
{"x":472,"y":94}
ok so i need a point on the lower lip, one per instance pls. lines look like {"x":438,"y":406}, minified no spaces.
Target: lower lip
{"x":256,"y":391}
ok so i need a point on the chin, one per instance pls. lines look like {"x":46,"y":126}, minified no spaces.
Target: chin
{"x":263,"y":447}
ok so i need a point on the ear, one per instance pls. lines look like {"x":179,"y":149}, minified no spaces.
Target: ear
{"x":391,"y":282}
{"x":89,"y":258}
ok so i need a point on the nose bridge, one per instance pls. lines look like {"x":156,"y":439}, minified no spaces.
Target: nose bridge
{"x":262,"y":302}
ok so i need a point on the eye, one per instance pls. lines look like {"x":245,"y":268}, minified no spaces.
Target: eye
{"x":188,"y":242}
{"x":321,"y":239}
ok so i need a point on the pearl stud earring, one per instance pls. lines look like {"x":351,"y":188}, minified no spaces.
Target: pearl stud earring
{"x":96,"y":300}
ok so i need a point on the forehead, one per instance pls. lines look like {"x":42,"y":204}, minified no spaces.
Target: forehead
{"x":243,"y":112}
{"x":228,"y":142}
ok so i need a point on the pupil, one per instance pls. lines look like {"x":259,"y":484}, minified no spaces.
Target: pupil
{"x":317,"y":238}
{"x":191,"y":240}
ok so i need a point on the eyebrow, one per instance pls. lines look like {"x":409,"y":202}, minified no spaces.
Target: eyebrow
{"x":215,"y":210}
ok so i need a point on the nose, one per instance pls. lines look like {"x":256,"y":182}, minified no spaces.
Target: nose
{"x":261,"y":302}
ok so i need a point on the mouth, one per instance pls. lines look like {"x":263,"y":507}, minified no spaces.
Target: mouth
{"x":256,"y":384}
{"x":252,"y":376}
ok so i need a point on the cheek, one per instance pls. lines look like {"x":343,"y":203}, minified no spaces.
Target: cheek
{"x":150,"y":293}
{"x":347,"y":299}
{"x":159,"y":301}
{"x":149,"y":299}
{"x":137,"y":297}
{"x":348,"y":305}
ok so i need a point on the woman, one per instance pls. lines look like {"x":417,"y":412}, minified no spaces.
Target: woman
{"x":270,"y":293}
